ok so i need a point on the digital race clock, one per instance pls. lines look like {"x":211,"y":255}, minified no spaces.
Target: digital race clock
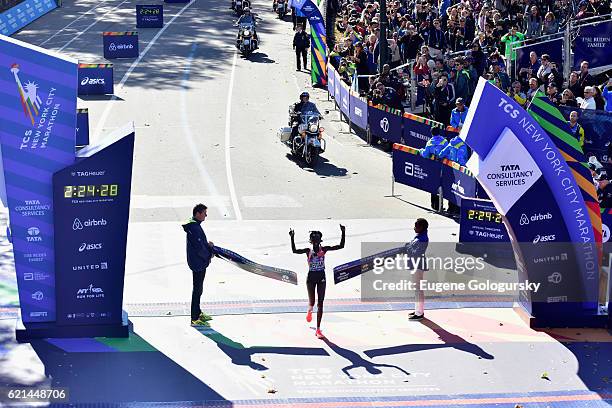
{"x":100,"y":190}
{"x":480,"y":215}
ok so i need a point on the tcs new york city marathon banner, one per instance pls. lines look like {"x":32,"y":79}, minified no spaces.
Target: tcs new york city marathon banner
{"x":532,"y":186}
{"x":38,"y":94}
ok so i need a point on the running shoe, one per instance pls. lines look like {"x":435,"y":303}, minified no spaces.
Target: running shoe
{"x":205,"y":317}
{"x":416,"y":317}
{"x":309,"y":315}
{"x":199,"y":323}
{"x":319,"y":334}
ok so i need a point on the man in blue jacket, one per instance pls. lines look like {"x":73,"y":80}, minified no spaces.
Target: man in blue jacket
{"x":459,"y":114}
{"x":432,"y":151}
{"x":199,"y":254}
{"x":415,"y":250}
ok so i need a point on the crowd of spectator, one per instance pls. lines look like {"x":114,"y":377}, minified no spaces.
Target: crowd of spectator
{"x":445,"y":46}
{"x":450,"y":46}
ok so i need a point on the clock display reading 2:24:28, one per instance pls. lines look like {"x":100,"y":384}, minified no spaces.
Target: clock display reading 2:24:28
{"x":100,"y":190}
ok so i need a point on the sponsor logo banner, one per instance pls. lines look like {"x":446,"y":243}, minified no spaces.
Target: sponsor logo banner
{"x":480,"y":222}
{"x":92,"y":201}
{"x":37,"y":135}
{"x":120,"y":44}
{"x":243,"y":263}
{"x":331,"y":83}
{"x":344,"y":98}
{"x":149,"y":16}
{"x":457,"y":185}
{"x":533,"y":179}
{"x":96,"y":79}
{"x":416,"y":171}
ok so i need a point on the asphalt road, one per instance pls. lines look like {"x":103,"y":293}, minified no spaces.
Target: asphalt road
{"x":206,"y":119}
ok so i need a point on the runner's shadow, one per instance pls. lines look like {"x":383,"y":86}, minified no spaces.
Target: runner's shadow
{"x":241,"y":355}
{"x":357,"y":361}
{"x":449,"y":339}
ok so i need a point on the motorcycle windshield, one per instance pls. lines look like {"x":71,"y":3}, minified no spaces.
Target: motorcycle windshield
{"x":310,"y":117}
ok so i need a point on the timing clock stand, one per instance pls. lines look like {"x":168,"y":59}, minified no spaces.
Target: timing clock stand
{"x":90,"y":244}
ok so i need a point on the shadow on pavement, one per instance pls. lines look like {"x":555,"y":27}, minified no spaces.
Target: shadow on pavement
{"x":241,"y":355}
{"x":260,"y":57}
{"x":323,"y":167}
{"x":119,"y":371}
{"x":449,"y":339}
{"x":359,"y":362}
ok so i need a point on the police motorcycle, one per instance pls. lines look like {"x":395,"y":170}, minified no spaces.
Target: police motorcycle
{"x":240,"y":5}
{"x":308,"y":142}
{"x":246,"y":38}
{"x":281,"y":8}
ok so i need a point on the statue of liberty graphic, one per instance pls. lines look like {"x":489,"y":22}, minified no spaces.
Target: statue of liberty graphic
{"x":29,"y":95}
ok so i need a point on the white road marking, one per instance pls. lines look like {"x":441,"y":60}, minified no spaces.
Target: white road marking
{"x":109,"y":104}
{"x":191,"y":145}
{"x":228,"y":164}
{"x":91,"y":25}
{"x":72,"y":22}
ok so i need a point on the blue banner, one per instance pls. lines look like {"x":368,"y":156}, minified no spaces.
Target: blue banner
{"x":92,"y":206}
{"x":243,"y":263}
{"x":416,"y":134}
{"x":415,"y":171}
{"x":23,"y":14}
{"x":532,"y":186}
{"x":480,"y":222}
{"x":359,"y":110}
{"x":122,"y":44}
{"x":606,"y":218}
{"x":385,"y":125}
{"x":82,"y":128}
{"x":554,"y":48}
{"x":151,"y":16}
{"x":337,"y":87}
{"x":456,"y":184}
{"x":331,"y":80}
{"x":96,"y":79}
{"x":344,"y":99}
{"x":37,"y":136}
{"x":593,"y":43}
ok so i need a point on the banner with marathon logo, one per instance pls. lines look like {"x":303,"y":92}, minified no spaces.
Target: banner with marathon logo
{"x":542,"y":207}
{"x":414,"y":170}
{"x":37,"y":135}
{"x":96,"y":79}
{"x":344,"y":99}
{"x":358,"y":267}
{"x":241,"y":262}
{"x":331,"y":80}
{"x":457,"y":182}
{"x":385,"y":123}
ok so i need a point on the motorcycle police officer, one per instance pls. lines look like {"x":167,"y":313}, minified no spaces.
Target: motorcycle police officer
{"x":304,"y":105}
{"x":247,"y":18}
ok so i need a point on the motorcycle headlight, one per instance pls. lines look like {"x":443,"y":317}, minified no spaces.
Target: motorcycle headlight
{"x":246,"y":33}
{"x":313,"y":127}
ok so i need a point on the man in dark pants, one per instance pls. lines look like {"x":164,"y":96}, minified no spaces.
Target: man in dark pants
{"x":301,"y":42}
{"x":199,"y":254}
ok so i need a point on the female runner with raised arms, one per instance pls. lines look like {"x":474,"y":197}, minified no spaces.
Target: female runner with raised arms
{"x":316,"y":272}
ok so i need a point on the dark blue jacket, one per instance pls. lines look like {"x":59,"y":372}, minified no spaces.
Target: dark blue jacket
{"x":198,"y":250}
{"x":416,"y":250}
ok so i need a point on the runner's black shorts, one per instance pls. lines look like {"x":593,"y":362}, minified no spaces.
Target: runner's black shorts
{"x":315,"y":277}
